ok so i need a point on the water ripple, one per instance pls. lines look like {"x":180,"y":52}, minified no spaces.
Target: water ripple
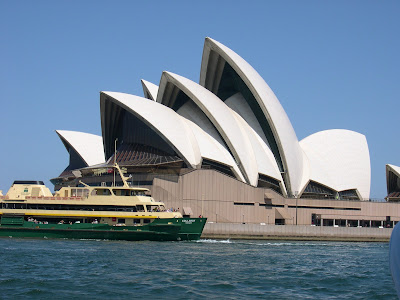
{"x":211,"y":269}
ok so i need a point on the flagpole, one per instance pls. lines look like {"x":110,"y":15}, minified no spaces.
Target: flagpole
{"x":115,"y":156}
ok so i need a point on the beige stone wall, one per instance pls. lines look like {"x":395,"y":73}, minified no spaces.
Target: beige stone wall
{"x":213,"y":194}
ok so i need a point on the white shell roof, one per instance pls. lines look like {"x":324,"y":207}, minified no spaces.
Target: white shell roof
{"x":285,"y":136}
{"x":164,"y":121}
{"x":211,"y":149}
{"x":192,"y":112}
{"x":150,"y":90}
{"x":88,"y":146}
{"x":265,"y":159}
{"x":266,"y":162}
{"x":339,"y":159}
{"x":237,"y":103}
{"x":396,"y":171}
{"x":222,"y":118}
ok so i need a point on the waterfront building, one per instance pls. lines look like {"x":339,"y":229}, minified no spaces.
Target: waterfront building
{"x":225,"y":148}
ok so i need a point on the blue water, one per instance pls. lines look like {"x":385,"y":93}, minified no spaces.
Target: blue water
{"x":39,"y":269}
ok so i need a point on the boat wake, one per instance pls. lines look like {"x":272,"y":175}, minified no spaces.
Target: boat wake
{"x":214,"y":241}
{"x":257,"y":243}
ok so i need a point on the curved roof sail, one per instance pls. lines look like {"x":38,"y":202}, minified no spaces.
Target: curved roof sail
{"x":175,"y":91}
{"x":211,"y":149}
{"x":161,"y":119}
{"x":89,"y":147}
{"x":392,"y":178}
{"x":225,"y":73}
{"x":150,"y":90}
{"x":266,"y":163}
{"x":339,"y":159}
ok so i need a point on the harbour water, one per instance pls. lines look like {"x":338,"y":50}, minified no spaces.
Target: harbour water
{"x":207,"y":268}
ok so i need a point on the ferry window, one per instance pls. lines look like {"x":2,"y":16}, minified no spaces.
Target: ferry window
{"x":146,"y":221}
{"x":121,"y":192}
{"x":140,"y":208}
{"x":82,"y":192}
{"x":121,"y":221}
{"x":138,"y":193}
{"x":153,"y":208}
{"x":136,"y":221}
{"x":103,"y":192}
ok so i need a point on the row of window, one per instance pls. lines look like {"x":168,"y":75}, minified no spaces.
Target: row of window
{"x":134,"y":208}
{"x":387,"y":223}
{"x":105,"y":192}
{"x":293,"y":206}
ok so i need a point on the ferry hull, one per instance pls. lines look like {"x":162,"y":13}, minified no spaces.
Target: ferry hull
{"x":176,"y":229}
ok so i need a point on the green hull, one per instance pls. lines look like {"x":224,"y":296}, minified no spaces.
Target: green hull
{"x":176,"y":229}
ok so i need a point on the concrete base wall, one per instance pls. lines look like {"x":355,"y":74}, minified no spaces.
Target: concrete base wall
{"x":293,"y":232}
{"x":223,"y":199}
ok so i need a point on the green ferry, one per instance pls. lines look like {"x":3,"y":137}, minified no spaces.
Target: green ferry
{"x":30,"y":210}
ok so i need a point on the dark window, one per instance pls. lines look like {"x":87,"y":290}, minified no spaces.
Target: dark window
{"x":318,"y":191}
{"x":103,"y":192}
{"x":268,"y":182}
{"x":209,"y":164}
{"x":349,"y":195}
{"x":243,"y":203}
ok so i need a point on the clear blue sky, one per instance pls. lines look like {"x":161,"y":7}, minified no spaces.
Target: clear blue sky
{"x":332,"y":64}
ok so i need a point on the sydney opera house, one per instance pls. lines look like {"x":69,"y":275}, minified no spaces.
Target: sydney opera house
{"x":226,"y":149}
